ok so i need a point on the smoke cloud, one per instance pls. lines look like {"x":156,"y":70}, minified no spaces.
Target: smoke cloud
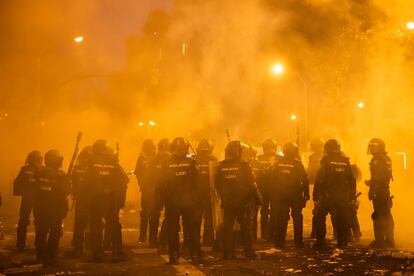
{"x":197,"y":68}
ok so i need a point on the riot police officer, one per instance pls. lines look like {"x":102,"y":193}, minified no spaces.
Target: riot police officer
{"x":290,"y":193}
{"x":158,"y":166}
{"x":181,"y":200}
{"x":50,"y":207}
{"x":107,"y":190}
{"x":237,"y":188}
{"x":334,"y":189}
{"x":204,"y":161}
{"x":81,"y":200}
{"x":143,"y":174}
{"x":265,"y":163}
{"x":379,"y":194}
{"x":25,"y":186}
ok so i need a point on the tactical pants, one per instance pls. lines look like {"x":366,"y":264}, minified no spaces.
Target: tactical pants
{"x":383,"y":220}
{"x":242,"y":216}
{"x":265,"y":218}
{"x":81,"y":223}
{"x":208,"y":233}
{"x":163,"y":236}
{"x":314,"y":218}
{"x":105,"y":208}
{"x":294,"y":207}
{"x":150,"y":217}
{"x":48,"y":231}
{"x":191,"y":216}
{"x":26,"y":207}
{"x":253,"y":212}
{"x":340,"y":209}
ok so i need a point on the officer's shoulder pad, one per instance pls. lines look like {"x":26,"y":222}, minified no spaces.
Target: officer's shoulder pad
{"x":213,"y":158}
{"x":224,"y":162}
{"x":245,"y":163}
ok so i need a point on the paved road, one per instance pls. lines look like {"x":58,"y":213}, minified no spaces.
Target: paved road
{"x":355,"y":260}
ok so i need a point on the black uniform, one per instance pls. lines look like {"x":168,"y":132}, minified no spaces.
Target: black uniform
{"x":379,"y":193}
{"x":107,"y":191}
{"x":25,"y":185}
{"x":290,"y":191}
{"x":181,"y":199}
{"x":150,"y":216}
{"x":237,"y":188}
{"x":203,"y":163}
{"x":50,"y":209}
{"x":334,"y":189}
{"x":82,"y":203}
{"x":263,"y":178}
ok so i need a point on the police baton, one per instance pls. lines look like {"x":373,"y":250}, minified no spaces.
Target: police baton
{"x":72,"y":164}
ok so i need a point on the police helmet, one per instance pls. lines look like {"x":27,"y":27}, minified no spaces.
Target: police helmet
{"x":53,"y":159}
{"x":233,"y":150}
{"x":85,"y":154}
{"x":269,"y":146}
{"x":316,"y":145}
{"x":332,"y":146}
{"x":164,"y":145}
{"x":376,"y":145}
{"x":148,"y":147}
{"x":291,"y":150}
{"x":205,"y":146}
{"x":179,"y":146}
{"x":34,"y":158}
{"x":100,"y":146}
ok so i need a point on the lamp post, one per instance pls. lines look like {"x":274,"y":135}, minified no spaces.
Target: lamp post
{"x":294,"y":119}
{"x":38,"y":69}
{"x":147,"y":126}
{"x":278,"y":69}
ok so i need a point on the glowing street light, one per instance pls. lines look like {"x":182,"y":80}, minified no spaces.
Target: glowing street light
{"x":410,"y":25}
{"x":361,"y":105}
{"x":78,"y":39}
{"x":147,"y":125}
{"x":278,"y":69}
{"x":294,"y":119}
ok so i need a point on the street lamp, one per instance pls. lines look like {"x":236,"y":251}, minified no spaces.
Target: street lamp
{"x":294,"y":119}
{"x":361,"y":105}
{"x":410,"y":25}
{"x":78,"y":39}
{"x":148,"y":126}
{"x":278,"y":69}
{"x":39,"y":60}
